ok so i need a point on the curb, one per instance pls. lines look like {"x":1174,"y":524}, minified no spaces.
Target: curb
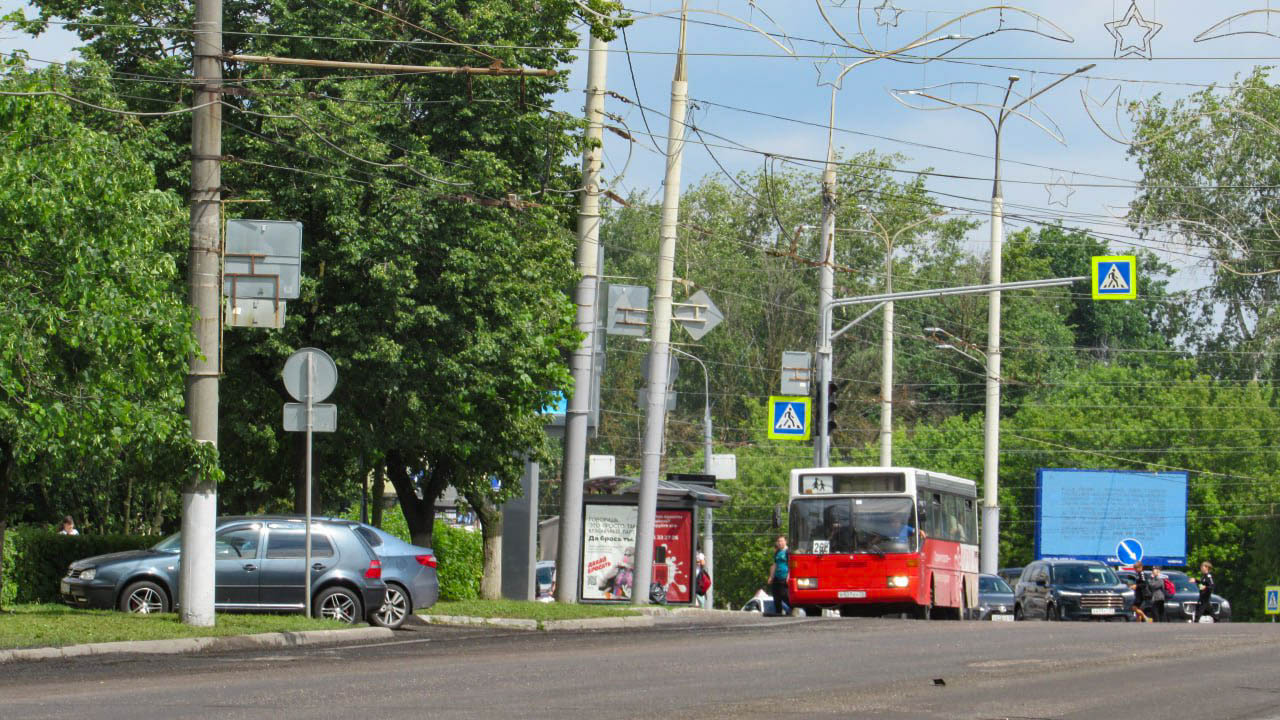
{"x":518,"y":624}
{"x":178,"y":646}
{"x":603,"y":623}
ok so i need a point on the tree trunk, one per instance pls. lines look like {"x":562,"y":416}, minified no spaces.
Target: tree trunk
{"x":419,"y":512}
{"x":490,"y":517}
{"x":378,"y":492}
{"x":6,"y":475}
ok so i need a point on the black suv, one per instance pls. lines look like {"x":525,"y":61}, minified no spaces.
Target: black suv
{"x":259,"y":566}
{"x":1071,"y":590}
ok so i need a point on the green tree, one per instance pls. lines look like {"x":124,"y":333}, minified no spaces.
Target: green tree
{"x":93,"y":330}
{"x":1208,"y":164}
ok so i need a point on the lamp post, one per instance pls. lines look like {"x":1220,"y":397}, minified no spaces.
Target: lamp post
{"x":708,"y":540}
{"x":990,"y":556}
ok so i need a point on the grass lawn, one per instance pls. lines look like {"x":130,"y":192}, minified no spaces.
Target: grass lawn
{"x":56,"y":625}
{"x":527,"y":610}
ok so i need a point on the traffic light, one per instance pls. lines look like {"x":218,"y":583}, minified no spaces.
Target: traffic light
{"x":829,"y":413}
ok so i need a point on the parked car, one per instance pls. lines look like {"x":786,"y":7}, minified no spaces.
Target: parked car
{"x":259,"y":565}
{"x":409,"y":572}
{"x":545,"y":580}
{"x":995,"y":599}
{"x":1010,"y":575}
{"x":1071,"y":590}
{"x":760,"y":603}
{"x":1182,"y":607}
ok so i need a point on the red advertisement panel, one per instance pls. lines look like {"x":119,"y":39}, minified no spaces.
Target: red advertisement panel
{"x":673,"y":554}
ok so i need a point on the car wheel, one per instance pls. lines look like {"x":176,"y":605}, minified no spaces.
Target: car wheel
{"x":144,"y":598}
{"x":1017,"y":613}
{"x":396,"y":606}
{"x":1051,"y":614}
{"x":337,"y":603}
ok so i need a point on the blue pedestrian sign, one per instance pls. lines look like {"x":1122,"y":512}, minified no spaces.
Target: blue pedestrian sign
{"x":1129,"y":551}
{"x":1273,"y":599}
{"x":1115,"y":277}
{"x":789,"y":418}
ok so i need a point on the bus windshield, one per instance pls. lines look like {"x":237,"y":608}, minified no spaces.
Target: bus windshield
{"x":853,"y":525}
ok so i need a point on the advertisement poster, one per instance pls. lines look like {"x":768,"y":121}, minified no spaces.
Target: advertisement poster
{"x":673,"y":554}
{"x":608,"y":547}
{"x":1086,"y":514}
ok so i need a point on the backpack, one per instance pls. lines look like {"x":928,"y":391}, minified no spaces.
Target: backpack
{"x":704,"y":582}
{"x":1169,"y":589}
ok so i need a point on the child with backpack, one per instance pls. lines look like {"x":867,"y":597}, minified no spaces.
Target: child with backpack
{"x":1159,"y":588}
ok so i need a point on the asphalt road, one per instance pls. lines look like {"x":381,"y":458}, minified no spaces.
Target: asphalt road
{"x":739,"y":668}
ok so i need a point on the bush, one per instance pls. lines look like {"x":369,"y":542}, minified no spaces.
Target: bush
{"x":36,"y":559}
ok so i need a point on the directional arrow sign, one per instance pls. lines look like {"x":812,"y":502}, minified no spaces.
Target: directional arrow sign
{"x":1129,"y":551}
{"x":698,"y":315}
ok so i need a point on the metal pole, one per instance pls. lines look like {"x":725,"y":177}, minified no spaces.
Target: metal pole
{"x":708,"y":540}
{"x":199,"y":495}
{"x":990,"y":558}
{"x":886,"y":367}
{"x":579,"y":406}
{"x":311,"y":367}
{"x":826,"y":292}
{"x":660,"y":352}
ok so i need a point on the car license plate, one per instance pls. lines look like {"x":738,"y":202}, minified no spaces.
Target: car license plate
{"x":65,"y":588}
{"x":1002,"y":618}
{"x":851,"y":594}
{"x":1103,"y":611}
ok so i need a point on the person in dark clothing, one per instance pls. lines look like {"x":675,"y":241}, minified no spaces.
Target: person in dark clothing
{"x":1205,"y":606}
{"x":1139,"y":586}
{"x":778,"y":574}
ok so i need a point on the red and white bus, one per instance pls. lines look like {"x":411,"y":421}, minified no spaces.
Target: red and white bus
{"x":876,"y":540}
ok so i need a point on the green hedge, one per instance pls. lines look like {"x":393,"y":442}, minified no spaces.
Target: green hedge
{"x":36,"y":559}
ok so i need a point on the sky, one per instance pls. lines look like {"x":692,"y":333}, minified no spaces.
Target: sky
{"x":754,"y":100}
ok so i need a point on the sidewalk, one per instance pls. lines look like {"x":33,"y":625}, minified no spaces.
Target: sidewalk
{"x":650,"y":617}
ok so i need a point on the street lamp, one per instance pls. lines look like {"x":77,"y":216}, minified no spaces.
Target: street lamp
{"x":933,"y":334}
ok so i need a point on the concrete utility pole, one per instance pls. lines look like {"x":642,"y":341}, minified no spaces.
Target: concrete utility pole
{"x":660,"y":352}
{"x":199,"y":495}
{"x":826,"y":291}
{"x":579,"y":406}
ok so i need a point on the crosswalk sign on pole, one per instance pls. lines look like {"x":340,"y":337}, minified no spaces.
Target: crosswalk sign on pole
{"x":1273,"y":599}
{"x":789,"y":418}
{"x":1114,"y":277}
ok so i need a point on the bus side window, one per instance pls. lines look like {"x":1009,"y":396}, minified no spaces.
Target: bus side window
{"x":970,"y":520}
{"x":955,"y":519}
{"x":937,"y":521}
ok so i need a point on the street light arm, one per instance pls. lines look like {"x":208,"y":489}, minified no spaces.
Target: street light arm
{"x":1046,"y":88}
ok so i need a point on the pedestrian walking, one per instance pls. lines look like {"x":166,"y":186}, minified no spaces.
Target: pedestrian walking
{"x":1205,"y":607}
{"x":778,"y":574}
{"x":702,"y":580}
{"x":1156,"y":591}
{"x":1139,"y":586}
{"x":68,"y":527}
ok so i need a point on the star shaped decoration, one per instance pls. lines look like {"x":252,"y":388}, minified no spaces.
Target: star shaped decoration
{"x":1059,"y":191}
{"x":1133,"y":33}
{"x":887,"y":14}
{"x":829,"y":70}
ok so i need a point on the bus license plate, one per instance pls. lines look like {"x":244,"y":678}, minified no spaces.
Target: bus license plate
{"x":1103,"y":611}
{"x":851,"y":594}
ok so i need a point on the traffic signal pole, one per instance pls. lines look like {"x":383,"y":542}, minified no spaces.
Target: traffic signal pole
{"x":199,"y":494}
{"x":579,"y":403}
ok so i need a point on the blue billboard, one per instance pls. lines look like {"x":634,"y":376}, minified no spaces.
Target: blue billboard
{"x":1115,"y":516}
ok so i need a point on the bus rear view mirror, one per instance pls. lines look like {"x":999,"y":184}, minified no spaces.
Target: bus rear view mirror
{"x":777,"y":517}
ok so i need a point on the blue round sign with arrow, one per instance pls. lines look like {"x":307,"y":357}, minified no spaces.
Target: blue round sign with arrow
{"x":1129,"y":551}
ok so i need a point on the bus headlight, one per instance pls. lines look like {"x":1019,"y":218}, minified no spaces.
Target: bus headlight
{"x":806,"y":583}
{"x":898,"y":581}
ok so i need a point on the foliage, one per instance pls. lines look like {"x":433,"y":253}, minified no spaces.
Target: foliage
{"x":59,"y":625}
{"x":36,"y":560}
{"x":460,"y":554}
{"x":1209,"y":163}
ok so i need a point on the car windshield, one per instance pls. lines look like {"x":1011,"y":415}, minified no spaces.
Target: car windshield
{"x":1084,"y":575}
{"x":171,"y":544}
{"x":989,"y":584}
{"x":853,"y":525}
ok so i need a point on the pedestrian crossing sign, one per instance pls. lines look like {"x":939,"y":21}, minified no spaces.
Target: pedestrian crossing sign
{"x":1273,"y":599}
{"x":1115,"y":277}
{"x":789,"y":418}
